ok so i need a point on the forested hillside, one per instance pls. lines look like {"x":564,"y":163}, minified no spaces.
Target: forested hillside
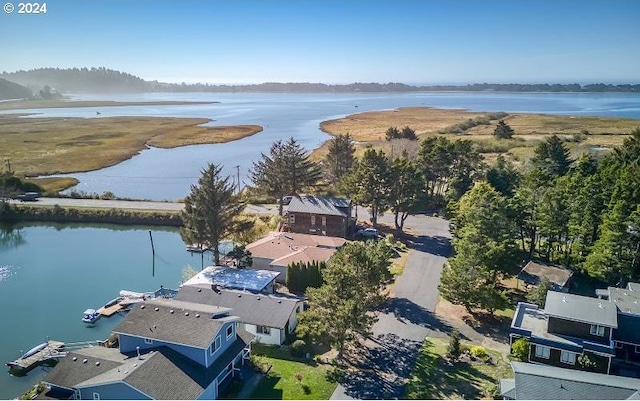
{"x":11,"y":90}
{"x":106,"y":80}
{"x":79,"y":80}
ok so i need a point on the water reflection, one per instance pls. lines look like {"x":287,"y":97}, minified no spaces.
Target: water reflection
{"x":10,"y":237}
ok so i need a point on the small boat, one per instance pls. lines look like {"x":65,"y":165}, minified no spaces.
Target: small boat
{"x":199,"y":248}
{"x":35,"y":349}
{"x":90,"y":316}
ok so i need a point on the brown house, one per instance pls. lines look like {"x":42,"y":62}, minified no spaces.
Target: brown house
{"x":319,"y":216}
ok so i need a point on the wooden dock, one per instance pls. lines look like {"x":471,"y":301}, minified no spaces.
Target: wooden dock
{"x":108,"y":311}
{"x":53,"y":350}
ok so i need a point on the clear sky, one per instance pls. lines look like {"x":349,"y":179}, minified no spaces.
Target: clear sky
{"x":342,"y":41}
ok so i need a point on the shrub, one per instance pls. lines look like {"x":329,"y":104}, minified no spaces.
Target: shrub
{"x":478,"y":351}
{"x":520,"y":349}
{"x":298,"y":348}
{"x":453,"y":349}
{"x":586,"y":363}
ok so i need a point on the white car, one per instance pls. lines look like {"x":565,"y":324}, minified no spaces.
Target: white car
{"x":368,"y":233}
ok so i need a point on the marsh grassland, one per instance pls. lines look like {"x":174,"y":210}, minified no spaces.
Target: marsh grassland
{"x":44,"y":146}
{"x":580,"y":132}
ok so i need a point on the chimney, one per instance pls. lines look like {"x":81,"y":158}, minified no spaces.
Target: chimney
{"x":138,"y":351}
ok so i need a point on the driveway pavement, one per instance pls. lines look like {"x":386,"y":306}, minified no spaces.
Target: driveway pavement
{"x":406,"y":318}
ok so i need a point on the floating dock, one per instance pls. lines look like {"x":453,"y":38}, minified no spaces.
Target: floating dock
{"x":44,"y":352}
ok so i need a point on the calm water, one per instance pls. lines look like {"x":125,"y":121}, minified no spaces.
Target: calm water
{"x":166,"y":174}
{"x":49,"y":274}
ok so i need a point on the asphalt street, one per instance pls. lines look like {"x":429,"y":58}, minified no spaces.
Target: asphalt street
{"x":406,"y":318}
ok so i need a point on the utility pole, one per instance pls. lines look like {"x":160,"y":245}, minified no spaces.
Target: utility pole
{"x":238,"y":177}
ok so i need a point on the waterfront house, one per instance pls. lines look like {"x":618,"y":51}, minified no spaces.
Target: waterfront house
{"x":569,"y":326}
{"x":277,"y":250}
{"x":544,"y":382}
{"x":168,"y":349}
{"x":270,"y":317}
{"x":319,"y":216}
{"x":534,"y":271}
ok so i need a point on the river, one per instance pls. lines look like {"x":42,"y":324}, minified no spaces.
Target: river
{"x":166,"y":174}
{"x":49,"y":274}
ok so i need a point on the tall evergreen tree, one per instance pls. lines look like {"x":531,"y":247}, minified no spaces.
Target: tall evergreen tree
{"x":503,"y":176}
{"x":407,"y":190}
{"x":552,"y":156}
{"x":211,"y":211}
{"x":340,"y":158}
{"x":503,"y":130}
{"x":287,"y":170}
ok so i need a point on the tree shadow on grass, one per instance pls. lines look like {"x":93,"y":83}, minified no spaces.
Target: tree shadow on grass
{"x":495,"y":327}
{"x":436,"y":378}
{"x":266,"y":389}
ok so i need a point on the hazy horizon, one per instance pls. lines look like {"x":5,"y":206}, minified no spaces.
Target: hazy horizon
{"x":415,"y":42}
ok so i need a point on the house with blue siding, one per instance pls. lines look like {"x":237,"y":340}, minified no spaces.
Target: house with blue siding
{"x":168,"y":349}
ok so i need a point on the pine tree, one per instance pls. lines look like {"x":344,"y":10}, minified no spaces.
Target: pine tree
{"x":503,"y":131}
{"x":340,"y":158}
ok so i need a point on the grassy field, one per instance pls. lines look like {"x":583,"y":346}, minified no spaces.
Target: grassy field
{"x":435,"y":378}
{"x":580,"y":133}
{"x":281,"y":383}
{"x":44,"y":146}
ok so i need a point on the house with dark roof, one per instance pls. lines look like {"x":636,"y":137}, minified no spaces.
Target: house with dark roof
{"x":534,"y":271}
{"x":543,"y":382}
{"x":277,"y":250}
{"x":319,"y":216}
{"x":569,"y":326}
{"x":627,"y":335}
{"x":168,"y":349}
{"x":270,"y":317}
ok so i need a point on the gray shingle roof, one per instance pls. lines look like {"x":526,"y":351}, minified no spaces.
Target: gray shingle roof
{"x":533,"y":272}
{"x":581,"y":309}
{"x":191,"y":327}
{"x":259,"y":309}
{"x":544,"y":382}
{"x":627,"y":300}
{"x":319,"y":205}
{"x":161,"y":373}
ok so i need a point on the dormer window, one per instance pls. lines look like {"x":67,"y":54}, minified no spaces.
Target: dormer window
{"x":215,"y":345}
{"x":229,"y":331}
{"x":597,"y":330}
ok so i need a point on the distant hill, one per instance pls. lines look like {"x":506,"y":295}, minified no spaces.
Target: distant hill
{"x":105,"y":80}
{"x":11,"y":90}
{"x":96,"y":80}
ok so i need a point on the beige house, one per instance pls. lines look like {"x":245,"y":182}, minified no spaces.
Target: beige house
{"x":277,"y":250}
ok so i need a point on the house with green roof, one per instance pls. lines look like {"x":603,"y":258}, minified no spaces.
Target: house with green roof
{"x":168,"y":349}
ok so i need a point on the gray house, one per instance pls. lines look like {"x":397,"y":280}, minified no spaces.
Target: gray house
{"x":168,"y":349}
{"x":543,"y":382}
{"x":270,"y":317}
{"x":568,"y":327}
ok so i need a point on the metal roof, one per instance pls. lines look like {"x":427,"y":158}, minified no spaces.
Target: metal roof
{"x":249,"y":279}
{"x":319,"y":205}
{"x":581,"y":309}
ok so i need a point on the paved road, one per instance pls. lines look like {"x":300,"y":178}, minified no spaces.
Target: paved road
{"x":406,"y":318}
{"x":123,"y":204}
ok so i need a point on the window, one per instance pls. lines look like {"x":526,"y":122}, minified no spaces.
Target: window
{"x":263,"y":330}
{"x":313,"y":220}
{"x":597,"y":330}
{"x":637,"y":349}
{"x":619,"y":345}
{"x":324,"y":220}
{"x":292,"y":219}
{"x":229,"y":331}
{"x":148,"y":341}
{"x":96,"y":396}
{"x":215,"y":345}
{"x":542,"y":351}
{"x":568,"y":357}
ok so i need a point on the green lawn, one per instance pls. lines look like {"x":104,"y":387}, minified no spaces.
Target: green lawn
{"x":434,"y":378}
{"x":281,"y":382}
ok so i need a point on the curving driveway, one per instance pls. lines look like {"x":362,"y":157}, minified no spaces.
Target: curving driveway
{"x":389,"y":355}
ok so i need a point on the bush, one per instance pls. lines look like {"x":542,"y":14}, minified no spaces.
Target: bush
{"x":520,"y":349}
{"x":478,"y":351}
{"x":298,"y":348}
{"x":453,"y":349}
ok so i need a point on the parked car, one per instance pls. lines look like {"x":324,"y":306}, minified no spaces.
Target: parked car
{"x":29,"y":197}
{"x":368,"y":233}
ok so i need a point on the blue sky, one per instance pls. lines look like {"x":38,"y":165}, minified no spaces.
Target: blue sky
{"x":415,"y":42}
